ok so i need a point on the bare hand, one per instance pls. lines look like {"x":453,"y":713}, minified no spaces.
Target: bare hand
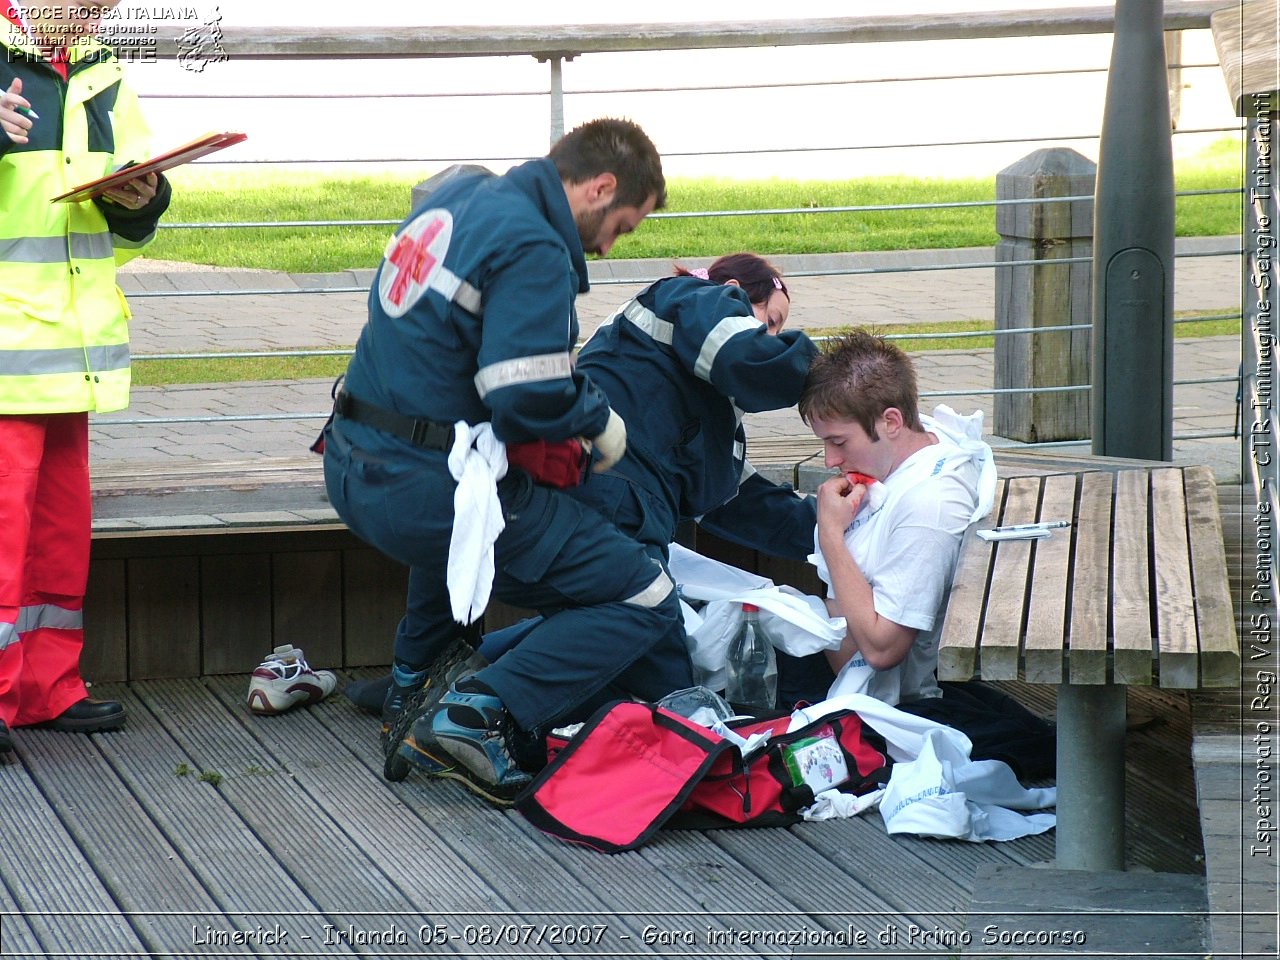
{"x":838,"y":503}
{"x":16,"y":125}
{"x":135,"y":194}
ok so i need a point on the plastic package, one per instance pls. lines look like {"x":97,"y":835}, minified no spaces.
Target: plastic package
{"x":699,"y":704}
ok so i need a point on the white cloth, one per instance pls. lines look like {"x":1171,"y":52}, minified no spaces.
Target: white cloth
{"x":793,"y":622}
{"x":906,"y":541}
{"x":478,"y":460}
{"x":934,"y":789}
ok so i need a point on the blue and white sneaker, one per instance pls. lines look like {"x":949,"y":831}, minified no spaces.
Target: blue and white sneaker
{"x":467,"y":737}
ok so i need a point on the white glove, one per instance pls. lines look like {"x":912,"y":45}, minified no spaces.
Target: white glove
{"x":612,"y":443}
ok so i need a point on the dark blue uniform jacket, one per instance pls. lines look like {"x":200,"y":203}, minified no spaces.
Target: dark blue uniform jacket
{"x":680,"y":364}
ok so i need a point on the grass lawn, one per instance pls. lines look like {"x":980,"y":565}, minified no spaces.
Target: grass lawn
{"x":272,"y":196}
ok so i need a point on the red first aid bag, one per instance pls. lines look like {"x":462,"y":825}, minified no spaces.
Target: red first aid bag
{"x":634,"y":768}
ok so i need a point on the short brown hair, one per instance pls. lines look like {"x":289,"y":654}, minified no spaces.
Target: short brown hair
{"x":614,"y":146}
{"x":856,"y":378}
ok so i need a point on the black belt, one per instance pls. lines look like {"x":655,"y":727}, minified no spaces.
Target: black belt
{"x":429,"y":434}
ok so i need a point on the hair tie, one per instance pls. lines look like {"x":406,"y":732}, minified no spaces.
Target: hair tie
{"x":700,"y":273}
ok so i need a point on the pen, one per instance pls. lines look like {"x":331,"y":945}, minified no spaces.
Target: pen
{"x":26,"y":112}
{"x":1029,"y":527}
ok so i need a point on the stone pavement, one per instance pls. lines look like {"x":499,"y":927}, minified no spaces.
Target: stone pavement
{"x":179,"y":308}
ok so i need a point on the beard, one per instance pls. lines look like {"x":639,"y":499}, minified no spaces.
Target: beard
{"x":589,"y":225}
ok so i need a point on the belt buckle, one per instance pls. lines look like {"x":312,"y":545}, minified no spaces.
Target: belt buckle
{"x":432,"y":435}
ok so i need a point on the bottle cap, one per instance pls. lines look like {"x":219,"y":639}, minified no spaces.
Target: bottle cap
{"x":750,"y":608}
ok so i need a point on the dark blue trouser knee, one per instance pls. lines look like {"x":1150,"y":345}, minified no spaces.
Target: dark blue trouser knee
{"x":609,"y":611}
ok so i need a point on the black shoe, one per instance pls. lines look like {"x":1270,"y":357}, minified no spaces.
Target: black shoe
{"x":403,"y":707}
{"x":88,"y":716}
{"x":369,"y":695}
{"x":6,"y":738}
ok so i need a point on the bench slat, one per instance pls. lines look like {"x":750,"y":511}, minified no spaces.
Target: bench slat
{"x":1131,"y":604}
{"x":958,"y":644}
{"x":1215,"y":617}
{"x":1090,"y":582}
{"x":1044,"y":648}
{"x":1175,"y":608}
{"x":1006,"y":605}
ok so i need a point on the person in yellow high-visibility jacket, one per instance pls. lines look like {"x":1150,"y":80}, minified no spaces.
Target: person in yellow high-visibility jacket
{"x":66,"y":117}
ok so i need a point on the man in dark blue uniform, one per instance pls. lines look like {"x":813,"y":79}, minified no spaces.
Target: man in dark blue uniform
{"x":466,"y":359}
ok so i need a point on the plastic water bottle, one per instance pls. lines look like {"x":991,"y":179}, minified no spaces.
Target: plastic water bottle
{"x":752,"y":667}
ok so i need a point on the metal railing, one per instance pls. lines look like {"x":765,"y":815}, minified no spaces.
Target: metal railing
{"x":568,"y":42}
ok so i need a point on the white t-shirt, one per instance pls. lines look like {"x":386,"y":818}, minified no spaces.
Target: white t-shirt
{"x":907,"y":541}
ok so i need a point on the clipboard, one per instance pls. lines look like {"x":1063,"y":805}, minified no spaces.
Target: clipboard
{"x":202,"y":146}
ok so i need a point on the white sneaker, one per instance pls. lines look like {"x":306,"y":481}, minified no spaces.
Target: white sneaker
{"x":285,"y":680}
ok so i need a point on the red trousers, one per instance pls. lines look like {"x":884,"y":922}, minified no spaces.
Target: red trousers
{"x":45,"y":524}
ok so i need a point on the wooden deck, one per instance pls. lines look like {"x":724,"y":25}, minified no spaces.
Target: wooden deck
{"x":200,"y":830}
{"x":198,"y":820}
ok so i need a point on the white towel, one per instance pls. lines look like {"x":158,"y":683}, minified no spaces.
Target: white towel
{"x":934,"y":788}
{"x":477,"y":462}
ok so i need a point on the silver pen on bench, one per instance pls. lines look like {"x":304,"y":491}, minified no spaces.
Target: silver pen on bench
{"x":1032,"y":527}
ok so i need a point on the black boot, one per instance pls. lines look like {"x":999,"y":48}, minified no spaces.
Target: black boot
{"x":88,"y":716}
{"x":6,"y":738}
{"x":404,"y":706}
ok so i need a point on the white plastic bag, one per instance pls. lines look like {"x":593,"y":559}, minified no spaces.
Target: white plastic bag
{"x":796,"y":623}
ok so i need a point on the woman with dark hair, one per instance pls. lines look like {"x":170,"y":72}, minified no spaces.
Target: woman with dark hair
{"x":686,"y":359}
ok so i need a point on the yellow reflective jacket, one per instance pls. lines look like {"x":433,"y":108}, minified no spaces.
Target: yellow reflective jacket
{"x":64,"y":337}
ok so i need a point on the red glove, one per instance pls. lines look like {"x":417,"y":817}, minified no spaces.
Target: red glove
{"x":556,"y":463}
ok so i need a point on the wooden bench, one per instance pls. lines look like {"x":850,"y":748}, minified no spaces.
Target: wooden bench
{"x":200,"y":569}
{"x":1134,"y":592}
{"x":234,"y":557}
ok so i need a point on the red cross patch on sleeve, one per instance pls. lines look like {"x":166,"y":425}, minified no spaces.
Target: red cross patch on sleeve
{"x":414,"y":262}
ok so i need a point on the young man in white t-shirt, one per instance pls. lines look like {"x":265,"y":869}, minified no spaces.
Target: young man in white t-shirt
{"x":887,"y":540}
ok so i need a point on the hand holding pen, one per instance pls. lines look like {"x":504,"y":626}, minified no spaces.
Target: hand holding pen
{"x":16,"y":115}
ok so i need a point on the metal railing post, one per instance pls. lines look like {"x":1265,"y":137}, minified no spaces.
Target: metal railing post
{"x":557,"y":93}
{"x":1133,"y":247}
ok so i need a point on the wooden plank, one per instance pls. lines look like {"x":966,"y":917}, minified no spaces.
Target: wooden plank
{"x":146,"y":876}
{"x":174,"y":794}
{"x":66,"y":902}
{"x":1001,"y":640}
{"x":794,"y":573}
{"x":1044,"y":649}
{"x":482,"y":860}
{"x":726,"y":551}
{"x":235,"y":612}
{"x":106,"y":627}
{"x":1177,"y":644}
{"x":164,"y":618}
{"x":1215,"y":617}
{"x":1245,"y":37}
{"x":285,"y":777}
{"x":373,"y":597}
{"x":962,"y":619}
{"x":306,"y":604}
{"x":322,"y":42}
{"x":1090,"y":582}
{"x":1131,"y":595}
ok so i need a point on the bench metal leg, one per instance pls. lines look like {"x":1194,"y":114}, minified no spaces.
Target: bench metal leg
{"x":1091,"y":725}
